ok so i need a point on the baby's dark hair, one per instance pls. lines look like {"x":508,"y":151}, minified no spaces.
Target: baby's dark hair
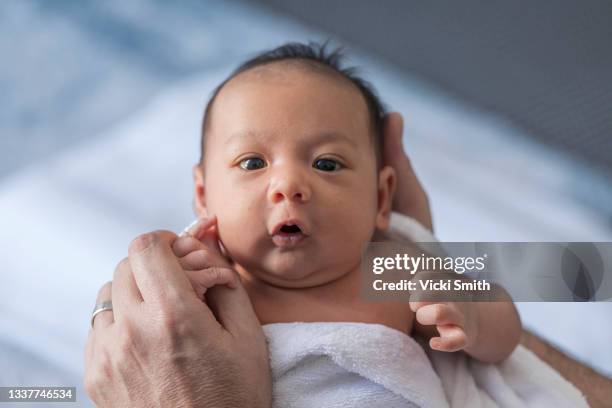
{"x":315,"y":56}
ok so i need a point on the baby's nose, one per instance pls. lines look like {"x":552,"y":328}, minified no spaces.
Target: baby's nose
{"x":289,"y":187}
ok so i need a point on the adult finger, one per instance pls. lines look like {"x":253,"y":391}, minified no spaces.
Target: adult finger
{"x":89,"y":349}
{"x":156,"y":269}
{"x":104,"y":318}
{"x":126,"y":295}
{"x":185,"y":245}
{"x":410,"y":198}
{"x":202,"y":259}
{"x":233,"y":309}
{"x":393,"y":129}
{"x":205,"y":279}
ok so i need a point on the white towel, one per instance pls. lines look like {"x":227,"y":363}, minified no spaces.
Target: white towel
{"x":349,"y":365}
{"x":370,"y":365}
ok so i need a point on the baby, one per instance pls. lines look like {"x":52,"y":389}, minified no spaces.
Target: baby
{"x":290,"y":186}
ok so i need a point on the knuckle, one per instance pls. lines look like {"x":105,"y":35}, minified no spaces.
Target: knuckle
{"x":121,"y":266}
{"x":192,"y":243}
{"x":185,"y":244}
{"x":106,"y":288}
{"x":215,"y":273}
{"x":227,"y":272}
{"x":143,"y":242}
{"x":201,"y":257}
{"x":221,"y":275}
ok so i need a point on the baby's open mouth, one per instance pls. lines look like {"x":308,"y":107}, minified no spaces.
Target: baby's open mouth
{"x":289,"y":235}
{"x":290,"y":228}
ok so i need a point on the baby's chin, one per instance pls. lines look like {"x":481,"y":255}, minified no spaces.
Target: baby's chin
{"x":291,"y":276}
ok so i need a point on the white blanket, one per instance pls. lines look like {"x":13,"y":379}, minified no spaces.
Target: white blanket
{"x":369,"y":365}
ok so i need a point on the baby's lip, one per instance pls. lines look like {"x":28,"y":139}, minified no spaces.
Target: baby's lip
{"x":288,"y":240}
{"x":292,"y":221}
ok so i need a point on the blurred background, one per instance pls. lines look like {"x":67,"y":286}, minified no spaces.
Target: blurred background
{"x":508,"y":121}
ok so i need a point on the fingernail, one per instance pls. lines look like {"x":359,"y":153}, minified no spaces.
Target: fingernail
{"x":188,"y":229}
{"x":197,"y":225}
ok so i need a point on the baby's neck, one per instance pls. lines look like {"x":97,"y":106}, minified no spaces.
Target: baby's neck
{"x":336,"y":301}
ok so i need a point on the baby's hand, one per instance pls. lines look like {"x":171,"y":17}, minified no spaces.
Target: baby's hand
{"x":200,"y":256}
{"x":456,"y":322}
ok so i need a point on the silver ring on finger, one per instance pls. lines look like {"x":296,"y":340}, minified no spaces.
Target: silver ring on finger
{"x":102,"y":307}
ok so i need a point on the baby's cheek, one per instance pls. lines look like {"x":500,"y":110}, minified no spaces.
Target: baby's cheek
{"x":242,"y":245}
{"x":350,"y":239}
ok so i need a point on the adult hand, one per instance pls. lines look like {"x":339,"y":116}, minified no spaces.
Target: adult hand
{"x":163,"y":346}
{"x":410,"y":197}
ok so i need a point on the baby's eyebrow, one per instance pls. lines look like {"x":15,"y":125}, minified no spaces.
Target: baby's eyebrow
{"x":322,"y":137}
{"x":333,"y":137}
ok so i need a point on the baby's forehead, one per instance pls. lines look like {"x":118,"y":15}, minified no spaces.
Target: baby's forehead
{"x":291,"y":99}
{"x":295,"y":73}
{"x":275,"y":92}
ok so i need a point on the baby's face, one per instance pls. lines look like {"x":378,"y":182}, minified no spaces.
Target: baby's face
{"x":292,"y":145}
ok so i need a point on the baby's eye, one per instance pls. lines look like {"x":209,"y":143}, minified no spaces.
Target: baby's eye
{"x":252,"y":163}
{"x":326,"y":165}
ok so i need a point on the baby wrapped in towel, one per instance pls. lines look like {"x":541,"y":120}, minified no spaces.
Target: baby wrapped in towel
{"x":290,"y":185}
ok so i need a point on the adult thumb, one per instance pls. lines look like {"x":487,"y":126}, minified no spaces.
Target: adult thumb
{"x":393,"y":130}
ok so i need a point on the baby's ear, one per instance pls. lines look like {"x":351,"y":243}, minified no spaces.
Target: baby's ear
{"x":199,"y":196}
{"x":386,"y":190}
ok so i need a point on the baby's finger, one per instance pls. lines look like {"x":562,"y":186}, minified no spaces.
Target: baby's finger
{"x":198,"y":225}
{"x":210,"y":238}
{"x":417,"y":304}
{"x":202,"y":235}
{"x":452,"y":338}
{"x":207,"y":278}
{"x":206,"y":231}
{"x":438,"y":314}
